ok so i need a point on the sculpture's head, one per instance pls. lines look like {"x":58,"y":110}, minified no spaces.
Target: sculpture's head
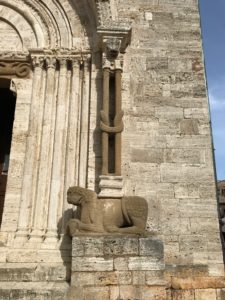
{"x":77,"y":195}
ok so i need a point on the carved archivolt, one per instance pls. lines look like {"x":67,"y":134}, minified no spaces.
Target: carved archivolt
{"x":47,"y":23}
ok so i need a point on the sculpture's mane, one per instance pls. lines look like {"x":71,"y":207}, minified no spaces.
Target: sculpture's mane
{"x":88,"y":195}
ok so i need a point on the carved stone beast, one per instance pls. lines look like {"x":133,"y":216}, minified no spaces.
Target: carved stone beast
{"x":123,"y":216}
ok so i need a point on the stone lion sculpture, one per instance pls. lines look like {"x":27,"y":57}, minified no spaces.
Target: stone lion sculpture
{"x":124,"y":216}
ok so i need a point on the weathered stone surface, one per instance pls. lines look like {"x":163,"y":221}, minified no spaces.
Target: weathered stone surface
{"x":56,"y":143}
{"x":151,"y":247}
{"x":134,"y":292}
{"x":91,"y":264}
{"x":197,"y":283}
{"x":120,"y":246}
{"x":145,"y":263}
{"x":183,"y":295}
{"x":207,"y":294}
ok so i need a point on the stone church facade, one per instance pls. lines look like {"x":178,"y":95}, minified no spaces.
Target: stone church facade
{"x":108,"y":95}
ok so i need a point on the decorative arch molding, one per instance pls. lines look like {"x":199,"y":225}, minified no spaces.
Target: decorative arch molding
{"x":47,"y":23}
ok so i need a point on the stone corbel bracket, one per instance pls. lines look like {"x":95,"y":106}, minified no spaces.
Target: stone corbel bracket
{"x":110,"y":30}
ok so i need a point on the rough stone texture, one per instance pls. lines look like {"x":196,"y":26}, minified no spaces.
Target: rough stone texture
{"x":166,"y":152}
{"x":118,"y":266}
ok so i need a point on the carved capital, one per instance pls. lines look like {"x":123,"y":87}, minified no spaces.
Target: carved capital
{"x":50,"y":62}
{"x":112,"y":47}
{"x":63,"y":62}
{"x":87,"y":61}
{"x":37,"y":61}
{"x":76,"y":62}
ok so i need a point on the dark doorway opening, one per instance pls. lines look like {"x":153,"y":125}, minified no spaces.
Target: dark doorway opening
{"x":7,"y":110}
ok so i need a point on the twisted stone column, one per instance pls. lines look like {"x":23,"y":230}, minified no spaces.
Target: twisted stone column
{"x":105,"y":118}
{"x":117,"y":121}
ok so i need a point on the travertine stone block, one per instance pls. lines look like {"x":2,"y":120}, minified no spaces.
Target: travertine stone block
{"x":134,"y":264}
{"x":207,"y":294}
{"x":151,"y":247}
{"x":183,"y":295}
{"x":91,"y":264}
{"x":137,"y":292}
{"x":166,"y":153}
{"x":121,"y":246}
{"x":145,"y":263}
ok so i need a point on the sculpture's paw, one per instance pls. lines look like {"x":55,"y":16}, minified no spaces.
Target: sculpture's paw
{"x":73,"y":226}
{"x":112,"y":228}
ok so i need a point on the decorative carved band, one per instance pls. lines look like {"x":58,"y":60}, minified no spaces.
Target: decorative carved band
{"x":20,"y":69}
{"x":14,"y":64}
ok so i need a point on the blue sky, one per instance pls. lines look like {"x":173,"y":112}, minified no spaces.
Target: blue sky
{"x":213,"y":31}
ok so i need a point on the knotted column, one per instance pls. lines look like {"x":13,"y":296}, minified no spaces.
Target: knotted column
{"x":111,"y":122}
{"x":45,"y":161}
{"x":105,"y":118}
{"x":118,"y":119}
{"x":32,"y":149}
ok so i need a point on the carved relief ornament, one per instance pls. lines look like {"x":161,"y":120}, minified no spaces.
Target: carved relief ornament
{"x":14,"y":64}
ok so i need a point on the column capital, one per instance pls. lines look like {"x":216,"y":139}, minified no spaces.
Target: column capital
{"x":37,"y":61}
{"x":76,"y":62}
{"x":50,"y":62}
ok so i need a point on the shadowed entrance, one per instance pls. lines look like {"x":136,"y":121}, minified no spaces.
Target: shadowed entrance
{"x":7,"y":110}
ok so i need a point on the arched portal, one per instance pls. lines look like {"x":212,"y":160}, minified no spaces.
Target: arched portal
{"x":47,"y":55}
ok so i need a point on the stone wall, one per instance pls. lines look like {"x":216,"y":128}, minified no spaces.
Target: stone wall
{"x":167,"y":136}
{"x":166,"y":143}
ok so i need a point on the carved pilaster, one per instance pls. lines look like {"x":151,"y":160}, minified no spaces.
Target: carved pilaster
{"x":85,"y":117}
{"x":45,"y":159}
{"x":58,"y":158}
{"x":32,"y":151}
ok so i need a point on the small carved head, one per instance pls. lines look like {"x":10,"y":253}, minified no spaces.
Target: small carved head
{"x":77,"y":195}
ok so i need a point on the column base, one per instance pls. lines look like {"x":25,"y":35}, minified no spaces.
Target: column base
{"x":21,"y":237}
{"x":51,"y":240}
{"x":111,"y":186}
{"x":36,"y":237}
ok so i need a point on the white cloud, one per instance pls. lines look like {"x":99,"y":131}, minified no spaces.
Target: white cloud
{"x":217,"y":95}
{"x":217,"y":108}
{"x":216,"y":103}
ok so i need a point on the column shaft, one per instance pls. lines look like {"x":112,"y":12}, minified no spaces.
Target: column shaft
{"x":118,"y":104}
{"x":58,"y":166}
{"x":105,"y":108}
{"x":84,"y":132}
{"x":45,"y":164}
{"x":72,"y":152}
{"x":32,"y":150}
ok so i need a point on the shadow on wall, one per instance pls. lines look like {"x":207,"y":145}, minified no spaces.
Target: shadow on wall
{"x":66,"y":240}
